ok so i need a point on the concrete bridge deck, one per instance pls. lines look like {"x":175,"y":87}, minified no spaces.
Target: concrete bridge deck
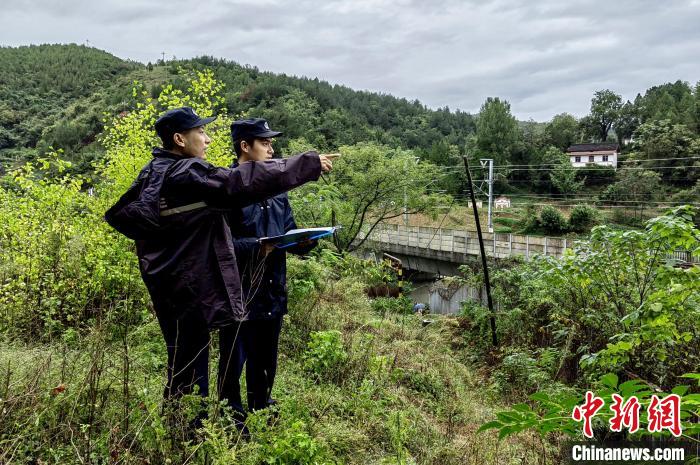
{"x":441,"y":250}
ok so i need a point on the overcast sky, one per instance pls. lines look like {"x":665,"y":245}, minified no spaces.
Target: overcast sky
{"x":544,"y":57}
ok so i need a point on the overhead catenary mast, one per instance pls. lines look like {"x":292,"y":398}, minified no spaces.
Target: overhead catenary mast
{"x":487,"y":282}
{"x":484,"y":162}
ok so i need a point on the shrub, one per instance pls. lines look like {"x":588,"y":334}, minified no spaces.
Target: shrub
{"x":641,"y":319}
{"x":325,"y":355}
{"x":627,"y":218}
{"x":552,"y":221}
{"x":520,"y":374}
{"x":384,"y":305}
{"x":304,"y":278}
{"x":530,"y":221}
{"x":293,"y":446}
{"x":691,"y":195}
{"x":65,"y":269}
{"x":425,"y":382}
{"x":582,"y":218}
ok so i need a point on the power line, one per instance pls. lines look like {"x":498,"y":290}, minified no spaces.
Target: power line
{"x":590,"y":198}
{"x":629,"y":206}
{"x":650,"y":204}
{"x":602,"y":178}
{"x":600,"y":206}
{"x":573,"y":168}
{"x":517,"y":195}
{"x":535,"y":167}
{"x":626,"y":199}
{"x":619,"y":160}
{"x":449,"y":209}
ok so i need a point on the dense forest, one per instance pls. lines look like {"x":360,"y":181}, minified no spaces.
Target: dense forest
{"x":57,"y":96}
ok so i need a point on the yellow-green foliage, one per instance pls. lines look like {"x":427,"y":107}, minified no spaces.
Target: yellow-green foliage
{"x":92,"y":393}
{"x":61,"y":265}
{"x":129,"y":138}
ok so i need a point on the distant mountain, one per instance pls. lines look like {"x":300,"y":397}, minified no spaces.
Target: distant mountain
{"x":41,"y":86}
{"x":56,"y":96}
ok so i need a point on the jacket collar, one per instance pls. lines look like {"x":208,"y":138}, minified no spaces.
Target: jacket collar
{"x":161,"y":152}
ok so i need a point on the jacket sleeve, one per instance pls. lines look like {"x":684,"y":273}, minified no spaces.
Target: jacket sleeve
{"x":290,"y":224}
{"x":247,"y":183}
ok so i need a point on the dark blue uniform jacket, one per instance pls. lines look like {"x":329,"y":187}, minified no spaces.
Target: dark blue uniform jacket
{"x":263,"y":279}
{"x":176,"y":211}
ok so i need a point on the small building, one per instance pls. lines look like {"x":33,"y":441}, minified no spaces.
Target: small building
{"x":501,"y":202}
{"x":599,"y":154}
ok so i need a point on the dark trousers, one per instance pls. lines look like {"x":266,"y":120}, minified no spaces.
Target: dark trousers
{"x":187,"y":340}
{"x":253,"y":343}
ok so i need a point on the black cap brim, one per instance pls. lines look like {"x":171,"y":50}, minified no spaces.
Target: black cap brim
{"x":268,"y":134}
{"x":201,"y":122}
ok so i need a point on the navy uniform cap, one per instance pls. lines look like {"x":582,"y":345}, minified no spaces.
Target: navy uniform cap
{"x":178,"y":120}
{"x":252,"y":127}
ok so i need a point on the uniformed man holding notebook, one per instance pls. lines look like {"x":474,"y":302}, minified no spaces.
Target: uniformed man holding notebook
{"x":262,"y":267}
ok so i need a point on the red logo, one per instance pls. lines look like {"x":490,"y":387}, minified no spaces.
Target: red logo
{"x":665,"y":414}
{"x":626,"y":414}
{"x":587,"y":411}
{"x":662,"y":414}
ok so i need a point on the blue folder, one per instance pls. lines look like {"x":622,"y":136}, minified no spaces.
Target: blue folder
{"x":294,"y":236}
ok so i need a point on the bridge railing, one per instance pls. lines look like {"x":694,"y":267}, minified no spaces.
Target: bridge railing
{"x":467,"y":242}
{"x":442,"y":241}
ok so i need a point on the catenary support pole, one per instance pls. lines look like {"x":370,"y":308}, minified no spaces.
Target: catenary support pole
{"x":487,"y":282}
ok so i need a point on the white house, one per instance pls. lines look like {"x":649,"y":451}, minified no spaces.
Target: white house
{"x":501,"y":202}
{"x":599,"y":154}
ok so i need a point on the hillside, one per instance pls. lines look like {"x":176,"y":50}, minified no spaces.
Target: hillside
{"x":359,"y":382}
{"x":57,"y":95}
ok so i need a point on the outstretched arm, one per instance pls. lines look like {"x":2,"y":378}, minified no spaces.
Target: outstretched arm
{"x":247,"y":183}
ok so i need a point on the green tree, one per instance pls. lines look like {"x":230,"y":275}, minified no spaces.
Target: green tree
{"x":496,"y":130}
{"x":689,"y":196}
{"x":563,"y":176}
{"x":41,"y":83}
{"x":634,"y":188}
{"x":562,"y":131}
{"x":605,"y":107}
{"x":6,"y":138}
{"x":298,"y":114}
{"x":669,"y":148}
{"x":627,"y":122}
{"x":696,"y":109}
{"x":129,"y":138}
{"x":369,"y":184}
{"x":670,"y":101}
